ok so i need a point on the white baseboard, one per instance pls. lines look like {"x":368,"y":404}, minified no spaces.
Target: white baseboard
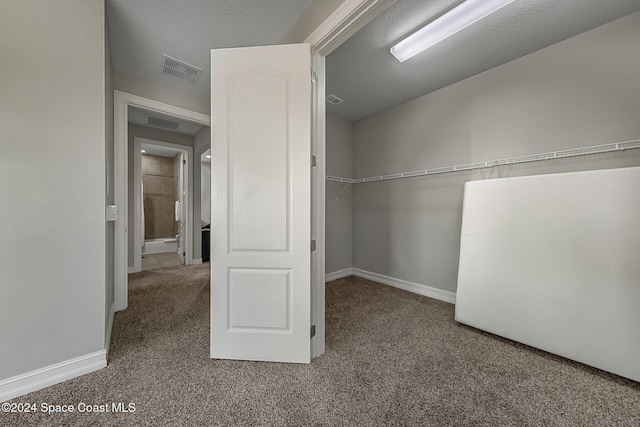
{"x":133,"y":269}
{"x":50,"y":375}
{"x":416,"y":288}
{"x":338,"y":274}
{"x":197,"y":261}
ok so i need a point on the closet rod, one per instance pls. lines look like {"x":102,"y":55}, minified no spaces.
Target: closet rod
{"x":561,"y":154}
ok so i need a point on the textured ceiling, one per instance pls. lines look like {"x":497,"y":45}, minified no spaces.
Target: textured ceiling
{"x":361,"y":71}
{"x":141,"y":31}
{"x":364,"y":74}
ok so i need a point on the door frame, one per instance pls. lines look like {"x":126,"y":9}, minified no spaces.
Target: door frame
{"x":350,"y":16}
{"x":122,"y":101}
{"x":138,"y":142}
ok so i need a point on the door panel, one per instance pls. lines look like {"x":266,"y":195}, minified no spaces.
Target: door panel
{"x":259,"y":300}
{"x":259,"y":172}
{"x":260,"y":234}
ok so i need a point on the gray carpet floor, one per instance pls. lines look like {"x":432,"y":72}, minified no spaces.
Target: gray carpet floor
{"x":392,"y":358}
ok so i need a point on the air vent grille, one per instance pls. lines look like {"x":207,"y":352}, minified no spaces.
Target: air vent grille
{"x":180,"y":70}
{"x":334,"y":99}
{"x":162,"y":123}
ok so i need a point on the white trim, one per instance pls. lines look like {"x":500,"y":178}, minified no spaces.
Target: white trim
{"x":121,"y":103}
{"x":197,"y":261}
{"x":318,"y":148}
{"x":50,"y":375}
{"x":346,"y":272}
{"x":416,"y":288}
{"x":350,"y":16}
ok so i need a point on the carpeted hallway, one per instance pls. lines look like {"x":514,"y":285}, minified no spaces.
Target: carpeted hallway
{"x":393,"y":358}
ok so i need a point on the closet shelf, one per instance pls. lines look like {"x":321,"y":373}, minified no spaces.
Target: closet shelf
{"x":340,"y":179}
{"x":573,"y":152}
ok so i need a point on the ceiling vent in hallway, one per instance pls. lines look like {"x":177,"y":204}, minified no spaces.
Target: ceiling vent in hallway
{"x":334,"y":99}
{"x":162,"y":123}
{"x":180,"y":70}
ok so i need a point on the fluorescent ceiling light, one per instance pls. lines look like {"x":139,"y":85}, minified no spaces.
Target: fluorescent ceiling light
{"x":458,"y":18}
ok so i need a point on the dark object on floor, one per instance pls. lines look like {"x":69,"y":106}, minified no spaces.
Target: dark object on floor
{"x":206,"y":244}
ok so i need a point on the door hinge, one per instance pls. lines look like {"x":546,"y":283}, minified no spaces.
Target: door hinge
{"x":313,"y":331}
{"x":184,"y":254}
{"x":314,"y":161}
{"x":112,"y":213}
{"x":184,"y":161}
{"x":314,"y":76}
{"x":313,"y":246}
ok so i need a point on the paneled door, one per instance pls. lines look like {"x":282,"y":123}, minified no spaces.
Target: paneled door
{"x":261,"y":197}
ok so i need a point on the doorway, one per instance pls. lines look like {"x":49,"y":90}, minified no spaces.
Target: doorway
{"x":123,"y":198}
{"x":163,"y":201}
{"x":351,"y":16}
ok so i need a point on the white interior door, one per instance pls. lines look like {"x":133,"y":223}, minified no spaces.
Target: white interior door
{"x":181,"y":208}
{"x":260,"y":230}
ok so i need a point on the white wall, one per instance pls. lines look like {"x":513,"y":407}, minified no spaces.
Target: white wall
{"x":52,"y":182}
{"x":580,"y":92}
{"x":338,"y":219}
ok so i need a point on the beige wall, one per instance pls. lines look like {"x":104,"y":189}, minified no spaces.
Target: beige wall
{"x":52,"y":182}
{"x":580,"y":92}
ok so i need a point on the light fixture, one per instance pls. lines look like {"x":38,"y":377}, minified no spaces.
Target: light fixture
{"x":458,"y":18}
{"x":143,"y":151}
{"x":208,"y":156}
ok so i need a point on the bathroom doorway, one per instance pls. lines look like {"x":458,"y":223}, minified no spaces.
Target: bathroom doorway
{"x":162,"y":202}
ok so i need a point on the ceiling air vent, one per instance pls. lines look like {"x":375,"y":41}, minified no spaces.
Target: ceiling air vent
{"x":180,"y":70}
{"x":334,"y":99}
{"x":162,"y":123}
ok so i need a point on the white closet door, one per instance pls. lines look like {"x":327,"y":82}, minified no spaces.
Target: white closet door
{"x":260,"y":231}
